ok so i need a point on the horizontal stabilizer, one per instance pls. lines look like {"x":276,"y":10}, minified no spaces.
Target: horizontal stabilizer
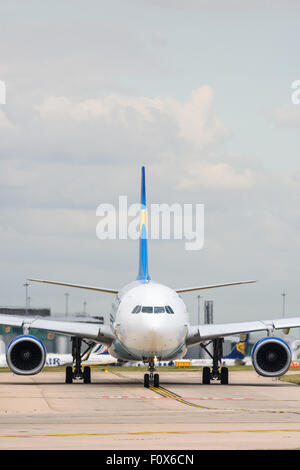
{"x":212,"y":286}
{"x":78,"y":286}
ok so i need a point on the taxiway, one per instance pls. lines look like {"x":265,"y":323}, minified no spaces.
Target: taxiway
{"x":115,"y":411}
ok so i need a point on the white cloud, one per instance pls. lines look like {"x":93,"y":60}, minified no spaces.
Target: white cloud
{"x":218,"y":176}
{"x":202,"y":5}
{"x":5,"y":123}
{"x":132,"y":118}
{"x":287,"y":115}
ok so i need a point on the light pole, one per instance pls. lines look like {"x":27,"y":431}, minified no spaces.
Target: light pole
{"x":283,"y":303}
{"x":84,"y":307}
{"x":199,"y":305}
{"x":199,"y":297}
{"x":26,"y":285}
{"x":67,"y":303}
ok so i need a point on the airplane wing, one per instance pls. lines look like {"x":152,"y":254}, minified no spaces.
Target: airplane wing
{"x":212,"y":286}
{"x":78,"y":286}
{"x":198,"y":333}
{"x":92,"y":331}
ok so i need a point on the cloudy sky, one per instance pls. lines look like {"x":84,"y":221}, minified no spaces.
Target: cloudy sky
{"x":197,"y":91}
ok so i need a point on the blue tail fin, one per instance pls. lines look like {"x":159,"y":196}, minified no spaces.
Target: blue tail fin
{"x":143,"y":264}
{"x":239,"y":350}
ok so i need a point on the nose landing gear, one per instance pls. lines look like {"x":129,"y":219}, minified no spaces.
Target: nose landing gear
{"x":151,"y":378}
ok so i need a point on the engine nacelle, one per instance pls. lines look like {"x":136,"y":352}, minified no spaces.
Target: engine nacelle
{"x":26,"y":355}
{"x":271,"y":357}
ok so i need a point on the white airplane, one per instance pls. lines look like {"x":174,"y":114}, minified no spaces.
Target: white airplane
{"x":96,"y":356}
{"x":149,"y":322}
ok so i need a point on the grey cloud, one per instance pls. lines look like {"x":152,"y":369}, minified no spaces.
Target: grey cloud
{"x":287,"y":115}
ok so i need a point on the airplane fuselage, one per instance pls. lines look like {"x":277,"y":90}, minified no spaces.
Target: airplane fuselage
{"x":150,"y":320}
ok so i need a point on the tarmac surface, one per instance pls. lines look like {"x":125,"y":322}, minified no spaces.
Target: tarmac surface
{"x":115,"y":412}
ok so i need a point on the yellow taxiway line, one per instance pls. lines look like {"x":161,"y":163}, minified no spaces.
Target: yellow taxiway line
{"x":138,"y":433}
{"x":168,"y":394}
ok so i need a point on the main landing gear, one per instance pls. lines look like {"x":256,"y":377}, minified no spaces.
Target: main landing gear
{"x":76,"y":371}
{"x":151,"y":378}
{"x":216,"y":372}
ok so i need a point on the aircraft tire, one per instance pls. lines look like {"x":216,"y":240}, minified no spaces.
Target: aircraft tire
{"x":224,"y":376}
{"x":146,"y":380}
{"x":206,"y":376}
{"x":87,"y":375}
{"x":156,"y":380}
{"x":69,"y":375}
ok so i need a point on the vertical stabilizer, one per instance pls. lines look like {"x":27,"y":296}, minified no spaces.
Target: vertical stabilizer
{"x":239,"y":350}
{"x":143,"y":263}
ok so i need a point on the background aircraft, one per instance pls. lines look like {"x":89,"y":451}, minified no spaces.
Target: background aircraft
{"x":237,"y":355}
{"x":97,"y":355}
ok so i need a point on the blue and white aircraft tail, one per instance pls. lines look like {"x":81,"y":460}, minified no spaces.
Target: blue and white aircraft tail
{"x":143,"y":275}
{"x":238,"y":353}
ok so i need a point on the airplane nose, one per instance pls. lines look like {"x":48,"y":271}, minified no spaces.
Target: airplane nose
{"x":154,"y":336}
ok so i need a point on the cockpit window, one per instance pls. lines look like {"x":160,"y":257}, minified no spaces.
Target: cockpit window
{"x":159,"y":309}
{"x":147,"y":309}
{"x":156,"y":309}
{"x":169,"y":309}
{"x":137,"y":309}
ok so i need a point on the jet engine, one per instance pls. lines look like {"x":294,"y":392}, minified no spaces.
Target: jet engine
{"x":271,"y":357}
{"x":26,"y":355}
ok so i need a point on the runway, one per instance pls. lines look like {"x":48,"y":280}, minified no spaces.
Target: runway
{"x":115,"y":412}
